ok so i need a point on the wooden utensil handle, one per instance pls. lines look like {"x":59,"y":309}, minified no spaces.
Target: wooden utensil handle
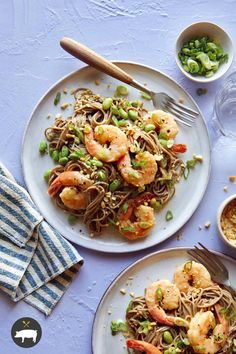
{"x":95,"y":60}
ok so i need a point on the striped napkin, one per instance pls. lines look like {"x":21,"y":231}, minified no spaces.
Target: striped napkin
{"x":36,"y":263}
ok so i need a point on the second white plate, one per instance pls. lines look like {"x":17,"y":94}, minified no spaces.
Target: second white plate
{"x":188,"y":193}
{"x":135,"y":278}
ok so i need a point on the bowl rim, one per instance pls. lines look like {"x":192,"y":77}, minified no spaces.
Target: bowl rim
{"x":202,"y":79}
{"x":219,"y":213}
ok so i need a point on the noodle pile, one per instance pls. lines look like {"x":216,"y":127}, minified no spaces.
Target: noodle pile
{"x":102,"y":203}
{"x":190,"y":304}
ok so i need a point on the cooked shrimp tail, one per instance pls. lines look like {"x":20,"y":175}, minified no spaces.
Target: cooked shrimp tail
{"x":68,"y":179}
{"x":142,"y":346}
{"x":160,"y":297}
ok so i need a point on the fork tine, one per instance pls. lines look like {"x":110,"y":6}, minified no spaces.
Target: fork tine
{"x":205,"y":261}
{"x":181,"y":111}
{"x":217,"y":260}
{"x":197,"y":258}
{"x":183,"y":106}
{"x":178,"y":118}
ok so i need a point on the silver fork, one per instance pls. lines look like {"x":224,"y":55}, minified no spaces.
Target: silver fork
{"x":161,"y":100}
{"x":219,"y":273}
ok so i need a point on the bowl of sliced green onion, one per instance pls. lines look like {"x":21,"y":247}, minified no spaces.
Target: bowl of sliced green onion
{"x":204,"y":52}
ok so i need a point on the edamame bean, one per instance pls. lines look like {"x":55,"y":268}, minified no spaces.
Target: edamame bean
{"x":106,"y":104}
{"x":96,"y":163}
{"x":136,"y":103}
{"x":114,"y":185}
{"x":122,"y":123}
{"x":43,"y":147}
{"x":149,"y":127}
{"x":146,"y":96}
{"x":114,"y":110}
{"x":122,"y":90}
{"x":63,"y":160}
{"x":79,"y":135}
{"x":123,"y":114}
{"x":167,"y":336}
{"x":133,"y":115}
{"x":47,"y":175}
{"x":55,"y":155}
{"x":163,"y":142}
{"x":64,"y":151}
{"x":101,"y":176}
{"x":73,"y":156}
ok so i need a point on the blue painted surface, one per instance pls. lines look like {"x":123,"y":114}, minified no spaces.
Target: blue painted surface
{"x":31,"y":61}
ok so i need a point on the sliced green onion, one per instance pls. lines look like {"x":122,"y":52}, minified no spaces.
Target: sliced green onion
{"x":186,"y":173}
{"x":118,"y":326}
{"x":188,"y":266}
{"x":159,"y":294}
{"x":129,"y":307}
{"x":169,"y":215}
{"x":111,"y":221}
{"x":72,"y":219}
{"x":114,"y":110}
{"x":124,"y":207}
{"x":193,"y":66}
{"x":128,"y":229}
{"x":57,"y":98}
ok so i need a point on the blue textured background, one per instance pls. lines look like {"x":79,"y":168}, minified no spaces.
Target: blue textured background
{"x":31,"y":60}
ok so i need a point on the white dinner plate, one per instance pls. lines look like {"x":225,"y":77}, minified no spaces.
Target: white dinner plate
{"x":188,"y":193}
{"x":158,"y":265}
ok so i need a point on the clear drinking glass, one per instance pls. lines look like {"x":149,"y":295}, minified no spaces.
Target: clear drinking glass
{"x":225,"y":107}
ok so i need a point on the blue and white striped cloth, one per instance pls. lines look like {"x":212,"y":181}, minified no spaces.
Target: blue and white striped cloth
{"x":36,"y":263}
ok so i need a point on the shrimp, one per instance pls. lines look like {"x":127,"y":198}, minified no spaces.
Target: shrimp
{"x":136,"y":219}
{"x":106,"y":134}
{"x":205,"y":335}
{"x":192,"y":275}
{"x":142,"y":346}
{"x":165,"y":122}
{"x":160,"y":296}
{"x":145,"y":171}
{"x":69,"y":181}
{"x":73,"y":199}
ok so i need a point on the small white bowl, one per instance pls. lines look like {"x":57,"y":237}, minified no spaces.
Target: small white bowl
{"x":214,"y":32}
{"x":220,"y":211}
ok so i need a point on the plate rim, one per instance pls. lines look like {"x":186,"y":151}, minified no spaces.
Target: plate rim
{"x":133,"y":264}
{"x":90,"y":245}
